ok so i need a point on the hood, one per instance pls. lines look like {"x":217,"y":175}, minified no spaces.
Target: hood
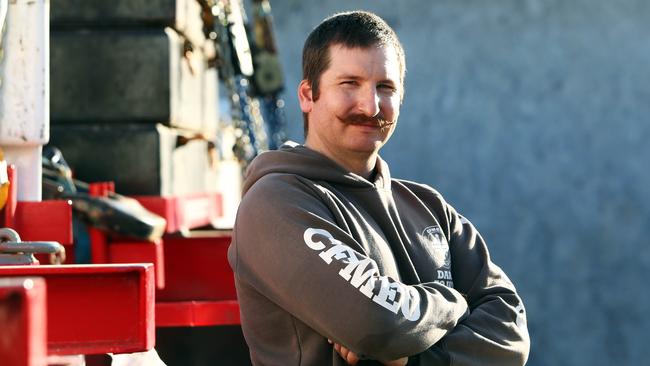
{"x":293,"y":158}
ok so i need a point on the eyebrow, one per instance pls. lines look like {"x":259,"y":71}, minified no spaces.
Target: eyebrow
{"x":354,"y":77}
{"x":388,"y":81}
{"x":348,"y":77}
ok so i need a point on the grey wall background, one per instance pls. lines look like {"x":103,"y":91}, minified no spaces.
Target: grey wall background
{"x":531,"y":117}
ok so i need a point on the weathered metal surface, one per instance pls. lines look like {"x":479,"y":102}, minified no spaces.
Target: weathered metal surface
{"x":24,"y":74}
{"x":27,"y":160}
{"x":110,"y":76}
{"x":141,"y":159}
{"x":183,"y":15}
{"x":145,"y":76}
{"x":24,"y":91}
{"x":111,"y":12}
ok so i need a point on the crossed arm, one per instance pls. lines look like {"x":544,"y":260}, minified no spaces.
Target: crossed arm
{"x":495,"y":332}
{"x":477,"y":322}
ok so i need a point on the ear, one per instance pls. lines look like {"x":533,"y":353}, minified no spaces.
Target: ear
{"x":305,"y":96}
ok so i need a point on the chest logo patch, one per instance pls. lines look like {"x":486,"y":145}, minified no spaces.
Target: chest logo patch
{"x":435,"y":242}
{"x":433,"y":235}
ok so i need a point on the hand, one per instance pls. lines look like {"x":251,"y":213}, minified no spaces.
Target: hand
{"x":351,"y":358}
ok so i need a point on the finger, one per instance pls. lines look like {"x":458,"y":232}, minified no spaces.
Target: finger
{"x":344,"y":352}
{"x":352,"y":358}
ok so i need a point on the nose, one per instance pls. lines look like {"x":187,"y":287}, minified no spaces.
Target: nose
{"x":368,"y":102}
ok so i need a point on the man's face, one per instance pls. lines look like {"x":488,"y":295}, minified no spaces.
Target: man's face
{"x":358,"y":102}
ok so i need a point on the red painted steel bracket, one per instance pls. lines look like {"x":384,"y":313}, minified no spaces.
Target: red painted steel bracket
{"x":94,"y":309}
{"x":49,"y":220}
{"x":197,"y":269}
{"x":44,"y":221}
{"x":199,"y":285}
{"x":197,"y":313}
{"x":138,"y":251}
{"x":124,"y":250}
{"x":185,"y":212}
{"x":22,"y":322}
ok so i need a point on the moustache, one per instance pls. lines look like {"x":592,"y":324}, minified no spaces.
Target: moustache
{"x":360,"y":119}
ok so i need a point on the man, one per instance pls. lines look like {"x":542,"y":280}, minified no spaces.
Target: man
{"x":335,"y":262}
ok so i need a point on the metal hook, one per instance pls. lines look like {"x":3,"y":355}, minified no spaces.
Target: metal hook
{"x":10,"y":243}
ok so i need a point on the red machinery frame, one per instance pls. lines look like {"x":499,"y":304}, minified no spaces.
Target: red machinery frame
{"x":93,"y":309}
{"x":195,"y":285}
{"x":200,"y":288}
{"x":110,"y":308}
{"x":38,"y":221}
{"x":22,"y":321}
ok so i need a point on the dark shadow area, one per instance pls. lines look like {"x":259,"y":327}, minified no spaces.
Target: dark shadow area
{"x":202,"y":346}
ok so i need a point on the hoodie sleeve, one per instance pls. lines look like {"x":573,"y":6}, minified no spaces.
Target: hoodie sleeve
{"x":288,"y":246}
{"x":495,"y":333}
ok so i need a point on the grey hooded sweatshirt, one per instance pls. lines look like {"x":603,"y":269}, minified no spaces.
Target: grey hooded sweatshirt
{"x":385,"y":267}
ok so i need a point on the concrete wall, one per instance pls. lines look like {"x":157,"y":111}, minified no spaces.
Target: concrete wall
{"x":531,"y":117}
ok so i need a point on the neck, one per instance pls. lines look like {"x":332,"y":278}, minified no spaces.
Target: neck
{"x":360,"y":163}
{"x":362,"y":167}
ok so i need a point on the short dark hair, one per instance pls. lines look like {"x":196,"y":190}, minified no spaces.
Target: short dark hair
{"x":354,"y":29}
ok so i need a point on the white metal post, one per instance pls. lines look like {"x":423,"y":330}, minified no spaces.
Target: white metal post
{"x":24,"y":92}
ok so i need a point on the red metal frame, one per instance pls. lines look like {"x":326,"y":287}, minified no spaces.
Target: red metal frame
{"x":98,"y":246}
{"x":200,"y":288}
{"x":196,"y":285}
{"x":93,"y":309}
{"x":137,"y":251}
{"x":197,"y":313}
{"x":198,"y":269}
{"x":22,"y":322}
{"x":118,"y":250}
{"x":44,"y":221}
{"x":185,"y":212}
{"x":38,"y":221}
{"x":98,"y":240}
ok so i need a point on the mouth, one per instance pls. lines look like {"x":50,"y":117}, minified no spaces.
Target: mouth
{"x":368,"y":124}
{"x":365,"y":121}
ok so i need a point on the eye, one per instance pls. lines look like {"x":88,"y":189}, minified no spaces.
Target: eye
{"x":387,"y":88}
{"x":349,"y":82}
